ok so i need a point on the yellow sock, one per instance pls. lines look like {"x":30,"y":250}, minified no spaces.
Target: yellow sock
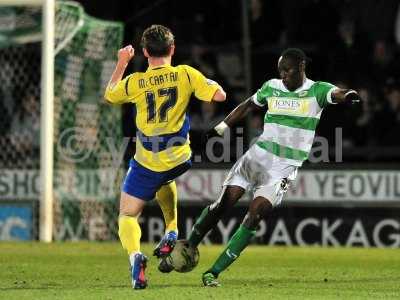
{"x":167,"y":198}
{"x":129,"y":233}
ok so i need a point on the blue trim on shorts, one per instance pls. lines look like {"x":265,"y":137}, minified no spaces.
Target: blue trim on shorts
{"x":161,"y":142}
{"x":143,"y":183}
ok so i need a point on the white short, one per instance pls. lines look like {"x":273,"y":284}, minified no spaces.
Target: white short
{"x":262,"y":173}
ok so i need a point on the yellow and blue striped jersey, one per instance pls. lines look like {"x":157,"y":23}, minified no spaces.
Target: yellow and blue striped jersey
{"x":161,"y":95}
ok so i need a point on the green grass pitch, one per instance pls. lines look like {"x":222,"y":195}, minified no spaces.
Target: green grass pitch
{"x":87,"y":270}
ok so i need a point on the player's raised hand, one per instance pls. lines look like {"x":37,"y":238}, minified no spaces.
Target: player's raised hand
{"x":352,"y":96}
{"x":125,"y":54}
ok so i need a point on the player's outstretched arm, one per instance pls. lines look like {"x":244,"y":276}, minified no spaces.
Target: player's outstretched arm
{"x":237,"y":114}
{"x":345,"y":95}
{"x":124,"y":56}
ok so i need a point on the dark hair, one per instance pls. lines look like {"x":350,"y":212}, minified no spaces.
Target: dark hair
{"x":157,"y":40}
{"x":296,"y":54}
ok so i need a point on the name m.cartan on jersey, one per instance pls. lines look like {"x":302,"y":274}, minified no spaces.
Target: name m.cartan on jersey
{"x":158,"y":79}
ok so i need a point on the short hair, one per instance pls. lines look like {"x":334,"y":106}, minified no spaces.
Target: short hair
{"x":296,"y":54}
{"x":157,"y":40}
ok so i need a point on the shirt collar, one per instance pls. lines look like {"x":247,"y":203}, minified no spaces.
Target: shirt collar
{"x":306,"y":84}
{"x":158,"y":67}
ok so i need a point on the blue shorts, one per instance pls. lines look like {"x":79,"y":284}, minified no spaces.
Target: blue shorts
{"x":143,"y":183}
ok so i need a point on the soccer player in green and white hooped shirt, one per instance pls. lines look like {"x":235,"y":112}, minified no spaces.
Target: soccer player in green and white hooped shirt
{"x":295,"y":104}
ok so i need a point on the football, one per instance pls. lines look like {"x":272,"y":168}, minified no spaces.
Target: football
{"x":184,"y":258}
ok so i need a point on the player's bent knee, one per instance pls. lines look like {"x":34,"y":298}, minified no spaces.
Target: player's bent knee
{"x":130,"y":205}
{"x":274,"y":193}
{"x":229,"y":197}
{"x":259,"y":208}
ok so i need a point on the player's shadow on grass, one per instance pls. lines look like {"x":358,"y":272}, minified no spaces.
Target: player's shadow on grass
{"x":26,"y":288}
{"x":59,"y":286}
{"x":277,"y":281}
{"x":163,"y":286}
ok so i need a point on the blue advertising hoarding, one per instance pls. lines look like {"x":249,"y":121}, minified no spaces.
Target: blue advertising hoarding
{"x":16,"y":221}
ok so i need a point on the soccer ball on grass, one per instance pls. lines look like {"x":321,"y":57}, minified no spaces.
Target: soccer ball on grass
{"x":184,"y":258}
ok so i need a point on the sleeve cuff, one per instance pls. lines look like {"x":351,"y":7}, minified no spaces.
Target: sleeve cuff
{"x":255,"y":101}
{"x":208,"y":95}
{"x":329,"y":96}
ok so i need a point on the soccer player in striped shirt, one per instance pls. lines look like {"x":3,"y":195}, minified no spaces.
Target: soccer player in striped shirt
{"x":295,"y":104}
{"x":161,"y":95}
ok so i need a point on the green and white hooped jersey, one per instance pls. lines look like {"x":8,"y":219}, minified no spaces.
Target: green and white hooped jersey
{"x":292,"y":117}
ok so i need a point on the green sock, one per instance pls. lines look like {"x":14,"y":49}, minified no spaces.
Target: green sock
{"x":197,"y":233}
{"x":236,"y":244}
